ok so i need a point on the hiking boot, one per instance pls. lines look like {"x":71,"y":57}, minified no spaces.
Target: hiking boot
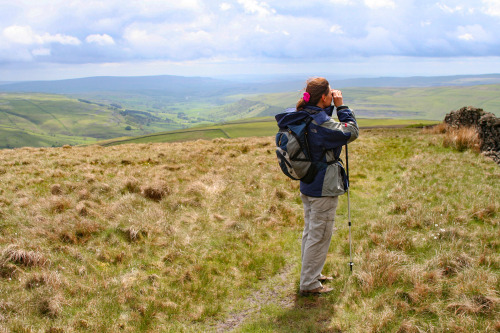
{"x":323,"y":278}
{"x":317,"y":291}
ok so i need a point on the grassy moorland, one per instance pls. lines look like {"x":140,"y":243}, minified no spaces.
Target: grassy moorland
{"x":205,"y":236}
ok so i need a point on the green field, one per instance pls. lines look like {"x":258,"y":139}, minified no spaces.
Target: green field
{"x":264,"y":126}
{"x":410,"y":103}
{"x":39,"y":120}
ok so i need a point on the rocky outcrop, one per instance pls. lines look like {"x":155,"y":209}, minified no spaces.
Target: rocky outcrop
{"x":487,"y":124}
{"x":464,"y":117}
{"x":489,"y":132}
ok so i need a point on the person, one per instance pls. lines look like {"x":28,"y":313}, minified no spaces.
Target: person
{"x":320,"y":197}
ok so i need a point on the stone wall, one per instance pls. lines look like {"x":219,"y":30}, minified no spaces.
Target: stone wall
{"x":487,"y":124}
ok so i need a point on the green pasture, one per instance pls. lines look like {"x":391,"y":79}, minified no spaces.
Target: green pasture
{"x":187,"y":135}
{"x":39,"y":120}
{"x":256,"y":127}
{"x":431,"y":103}
{"x":14,"y":138}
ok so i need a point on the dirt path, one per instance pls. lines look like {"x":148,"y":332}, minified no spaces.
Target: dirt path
{"x":278,"y":290}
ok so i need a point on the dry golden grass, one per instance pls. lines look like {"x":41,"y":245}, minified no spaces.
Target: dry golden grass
{"x":147,"y":234}
{"x":462,"y":139}
{"x":188,"y":236}
{"x":458,"y":138}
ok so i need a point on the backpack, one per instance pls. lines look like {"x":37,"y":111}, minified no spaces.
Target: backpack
{"x":292,"y":150}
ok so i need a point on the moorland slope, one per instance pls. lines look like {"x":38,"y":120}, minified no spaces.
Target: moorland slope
{"x":205,"y":236}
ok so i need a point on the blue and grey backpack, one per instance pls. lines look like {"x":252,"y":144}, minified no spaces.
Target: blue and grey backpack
{"x":294,"y":156}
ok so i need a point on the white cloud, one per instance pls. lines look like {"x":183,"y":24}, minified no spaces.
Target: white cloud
{"x":225,"y":6}
{"x":258,"y":28}
{"x":41,"y":52}
{"x":142,"y":38}
{"x":445,"y":8}
{"x":20,"y":34}
{"x":155,"y":7}
{"x":102,"y":40}
{"x":336,"y":29}
{"x":25,"y":35}
{"x":256,"y":7}
{"x":375,"y":4}
{"x":474,"y":33}
{"x":492,"y":7}
{"x":425,"y":23}
{"x":59,"y":38}
{"x":466,"y":36}
{"x":342,"y":2}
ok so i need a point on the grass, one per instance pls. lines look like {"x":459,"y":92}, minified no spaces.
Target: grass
{"x":204,"y":236}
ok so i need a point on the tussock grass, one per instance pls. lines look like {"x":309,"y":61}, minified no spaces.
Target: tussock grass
{"x":202,"y":235}
{"x":461,"y":139}
{"x":13,"y":254}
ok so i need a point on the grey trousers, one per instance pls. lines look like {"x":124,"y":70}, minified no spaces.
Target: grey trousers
{"x":319,"y":219}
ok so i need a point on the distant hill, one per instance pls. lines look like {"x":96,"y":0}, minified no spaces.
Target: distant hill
{"x":169,"y":85}
{"x":419,"y":81}
{"x":173,"y":85}
{"x":181,"y":86}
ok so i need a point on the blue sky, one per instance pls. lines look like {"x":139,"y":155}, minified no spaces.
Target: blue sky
{"x":42,"y":39}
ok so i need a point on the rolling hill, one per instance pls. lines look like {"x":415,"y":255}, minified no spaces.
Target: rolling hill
{"x":54,"y":120}
{"x":110,"y":107}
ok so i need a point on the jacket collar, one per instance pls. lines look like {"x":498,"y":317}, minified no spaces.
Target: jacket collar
{"x":318,"y":114}
{"x":291,"y":116}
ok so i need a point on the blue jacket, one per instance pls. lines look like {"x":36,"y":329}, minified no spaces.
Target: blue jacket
{"x":326,"y":138}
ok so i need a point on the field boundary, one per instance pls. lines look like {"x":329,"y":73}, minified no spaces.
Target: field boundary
{"x":47,"y":112}
{"x":164,"y":134}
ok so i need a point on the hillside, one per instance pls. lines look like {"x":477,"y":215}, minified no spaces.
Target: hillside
{"x":406,"y":103}
{"x":204,"y":236}
{"x":113,"y":107}
{"x":54,"y":120}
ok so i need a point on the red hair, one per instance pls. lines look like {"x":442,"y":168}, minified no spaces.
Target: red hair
{"x":316,"y":87}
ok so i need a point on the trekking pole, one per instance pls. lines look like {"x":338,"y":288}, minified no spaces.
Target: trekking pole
{"x":348,"y":207}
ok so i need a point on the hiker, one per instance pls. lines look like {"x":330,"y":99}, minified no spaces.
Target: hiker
{"x":320,"y":196}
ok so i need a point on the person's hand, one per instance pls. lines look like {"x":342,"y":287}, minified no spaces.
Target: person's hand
{"x":337,"y":97}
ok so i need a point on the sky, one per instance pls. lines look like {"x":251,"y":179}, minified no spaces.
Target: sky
{"x":46,"y":40}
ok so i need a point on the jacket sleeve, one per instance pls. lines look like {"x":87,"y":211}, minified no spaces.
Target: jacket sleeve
{"x":349,"y":125}
{"x":335,"y":134}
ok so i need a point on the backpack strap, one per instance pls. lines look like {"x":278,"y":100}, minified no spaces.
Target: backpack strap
{"x":335,"y":161}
